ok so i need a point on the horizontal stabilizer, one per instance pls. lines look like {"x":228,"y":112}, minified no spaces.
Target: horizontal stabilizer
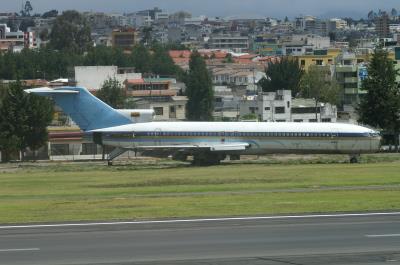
{"x":86,"y":110}
{"x":46,"y":91}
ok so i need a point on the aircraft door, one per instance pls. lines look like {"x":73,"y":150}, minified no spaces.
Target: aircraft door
{"x":157,"y":136}
{"x":222,"y":135}
{"x":335,"y":140}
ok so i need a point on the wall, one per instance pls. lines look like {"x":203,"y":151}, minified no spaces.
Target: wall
{"x":93,"y":77}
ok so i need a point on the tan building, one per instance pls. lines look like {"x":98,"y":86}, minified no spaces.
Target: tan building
{"x":159,"y":94}
{"x":167,"y":108}
{"x":124,"y":38}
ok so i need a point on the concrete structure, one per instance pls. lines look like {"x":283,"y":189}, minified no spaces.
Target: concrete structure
{"x":348,"y":74}
{"x":232,"y":42}
{"x":265,"y":46}
{"x":15,"y":41}
{"x":160,"y":94}
{"x":235,"y":77}
{"x":382,"y":26}
{"x":226,"y":104}
{"x":93,"y":77}
{"x":339,"y":23}
{"x":322,"y":57}
{"x":124,"y":38}
{"x":280,"y":107}
{"x":166,"y":108}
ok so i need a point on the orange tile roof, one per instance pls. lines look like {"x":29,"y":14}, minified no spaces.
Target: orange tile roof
{"x":180,"y":54}
{"x":35,"y":82}
{"x":242,"y":61}
{"x":181,"y":60}
{"x":220,"y":55}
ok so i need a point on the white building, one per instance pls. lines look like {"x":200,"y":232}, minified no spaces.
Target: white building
{"x":280,"y":107}
{"x":317,"y":42}
{"x":93,"y":77}
{"x":237,"y":77}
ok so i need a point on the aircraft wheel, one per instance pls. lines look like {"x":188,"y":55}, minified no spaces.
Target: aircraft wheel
{"x":354,"y":159}
{"x":207,"y":159}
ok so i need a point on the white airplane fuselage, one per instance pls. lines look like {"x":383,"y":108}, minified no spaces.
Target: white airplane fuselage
{"x":261,"y":137}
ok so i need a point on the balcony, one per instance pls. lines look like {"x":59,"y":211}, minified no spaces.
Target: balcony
{"x":346,"y":68}
{"x":351,"y":90}
{"x":351,"y":79}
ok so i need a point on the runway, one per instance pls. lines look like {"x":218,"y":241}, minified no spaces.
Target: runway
{"x":319,"y":239}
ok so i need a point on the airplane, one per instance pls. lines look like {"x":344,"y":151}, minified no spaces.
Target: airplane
{"x":207,"y":142}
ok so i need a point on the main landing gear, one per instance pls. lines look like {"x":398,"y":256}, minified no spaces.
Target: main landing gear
{"x":354,"y":159}
{"x":207,"y":159}
{"x":114,"y":154}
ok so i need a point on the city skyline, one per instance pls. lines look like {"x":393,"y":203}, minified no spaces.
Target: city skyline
{"x":223,"y":8}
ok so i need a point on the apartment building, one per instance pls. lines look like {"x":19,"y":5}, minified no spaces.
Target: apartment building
{"x":231,"y":42}
{"x":279,"y":106}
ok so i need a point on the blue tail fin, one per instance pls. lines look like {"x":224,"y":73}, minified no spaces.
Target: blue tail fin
{"x":89,"y":112}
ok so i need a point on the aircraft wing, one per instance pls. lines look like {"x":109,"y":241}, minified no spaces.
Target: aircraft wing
{"x":239,"y":146}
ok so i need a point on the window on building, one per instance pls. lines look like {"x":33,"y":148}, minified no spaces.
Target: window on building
{"x":280,"y":120}
{"x":172,"y":112}
{"x":59,"y":149}
{"x":253,"y":109}
{"x":312,"y":120}
{"x":319,"y":62}
{"x":298,"y":120}
{"x":159,"y":111}
{"x":267,"y":108}
{"x":326,"y":120}
{"x":288,"y":104}
{"x":279,"y":110}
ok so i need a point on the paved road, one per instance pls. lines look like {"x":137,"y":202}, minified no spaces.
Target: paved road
{"x":347,"y":239}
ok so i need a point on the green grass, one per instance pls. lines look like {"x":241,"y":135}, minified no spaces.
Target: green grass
{"x":80,"y":191}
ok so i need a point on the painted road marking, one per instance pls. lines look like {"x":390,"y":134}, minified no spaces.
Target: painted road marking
{"x":385,"y":235}
{"x":204,"y":220}
{"x":19,"y":249}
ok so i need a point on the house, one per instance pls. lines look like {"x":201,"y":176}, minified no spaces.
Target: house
{"x":160,"y":94}
{"x":93,"y":77}
{"x":279,"y":106}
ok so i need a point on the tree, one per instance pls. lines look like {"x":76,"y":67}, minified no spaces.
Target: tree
{"x":228,"y":58}
{"x":141,"y":59}
{"x":103,"y":55}
{"x":71,"y":32}
{"x":284,"y":74}
{"x":317,"y":83}
{"x":26,"y":23}
{"x":51,"y":13}
{"x":371,"y":15}
{"x":146,"y":35}
{"x":394,"y":12}
{"x":332,"y":36}
{"x":380,"y":106}
{"x":199,"y":90}
{"x":112,"y":92}
{"x":26,"y":12}
{"x":24,"y":121}
{"x":162,"y":63}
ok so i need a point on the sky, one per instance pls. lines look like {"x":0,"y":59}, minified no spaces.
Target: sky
{"x":221,"y":8}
